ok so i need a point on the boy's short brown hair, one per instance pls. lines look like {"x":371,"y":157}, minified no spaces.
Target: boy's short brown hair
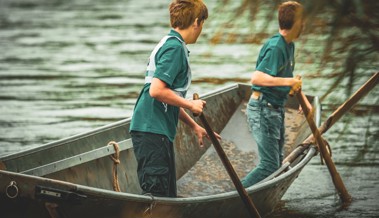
{"x":286,"y":14}
{"x":184,"y":12}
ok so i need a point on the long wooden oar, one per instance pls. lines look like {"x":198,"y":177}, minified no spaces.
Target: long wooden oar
{"x":337,"y":114}
{"x":229,"y":168}
{"x":348,"y":104}
{"x":338,"y":183}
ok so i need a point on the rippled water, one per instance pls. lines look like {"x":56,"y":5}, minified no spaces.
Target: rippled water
{"x":70,"y":66}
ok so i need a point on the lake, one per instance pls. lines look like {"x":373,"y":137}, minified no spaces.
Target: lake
{"x":67,"y":67}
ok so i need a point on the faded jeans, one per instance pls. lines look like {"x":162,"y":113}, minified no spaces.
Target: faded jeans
{"x":267,"y":127}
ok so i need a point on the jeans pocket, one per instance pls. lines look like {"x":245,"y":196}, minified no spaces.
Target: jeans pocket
{"x":253,"y":116}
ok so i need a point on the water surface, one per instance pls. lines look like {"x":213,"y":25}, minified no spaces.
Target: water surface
{"x":67,"y":67}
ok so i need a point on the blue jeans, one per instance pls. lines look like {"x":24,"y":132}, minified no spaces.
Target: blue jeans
{"x":267,"y":127}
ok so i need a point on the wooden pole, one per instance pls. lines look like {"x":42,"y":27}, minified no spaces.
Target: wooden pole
{"x":337,"y":114}
{"x":229,"y":168}
{"x":348,"y":104}
{"x":338,"y":183}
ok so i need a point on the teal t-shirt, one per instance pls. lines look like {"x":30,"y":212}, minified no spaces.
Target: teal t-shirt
{"x":276,"y":58}
{"x":151,"y":115}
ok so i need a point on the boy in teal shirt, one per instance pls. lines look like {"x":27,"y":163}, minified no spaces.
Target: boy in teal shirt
{"x":271,"y":83}
{"x":161,"y":102}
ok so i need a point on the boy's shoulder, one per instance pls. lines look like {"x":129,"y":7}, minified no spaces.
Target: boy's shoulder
{"x":172,"y":44}
{"x":276,"y":40}
{"x":173,"y":41}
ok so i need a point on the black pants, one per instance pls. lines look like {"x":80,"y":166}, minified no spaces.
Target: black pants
{"x":156,"y":163}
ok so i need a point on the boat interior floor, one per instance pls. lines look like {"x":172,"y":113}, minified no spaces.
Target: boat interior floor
{"x":208,"y":176}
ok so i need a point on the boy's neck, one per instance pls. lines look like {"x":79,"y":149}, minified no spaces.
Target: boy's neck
{"x":185,"y":33}
{"x":286,"y":35}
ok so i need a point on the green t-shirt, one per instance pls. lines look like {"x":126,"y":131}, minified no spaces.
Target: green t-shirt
{"x":276,"y":58}
{"x":151,"y":115}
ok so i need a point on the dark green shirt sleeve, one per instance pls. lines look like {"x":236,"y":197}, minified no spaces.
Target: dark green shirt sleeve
{"x":271,"y":61}
{"x":169,"y":63}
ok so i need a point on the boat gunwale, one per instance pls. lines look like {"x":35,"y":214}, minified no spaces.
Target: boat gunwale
{"x":311,"y":151}
{"x":164,"y":200}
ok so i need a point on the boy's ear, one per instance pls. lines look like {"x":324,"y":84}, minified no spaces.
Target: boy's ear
{"x":196,"y":23}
